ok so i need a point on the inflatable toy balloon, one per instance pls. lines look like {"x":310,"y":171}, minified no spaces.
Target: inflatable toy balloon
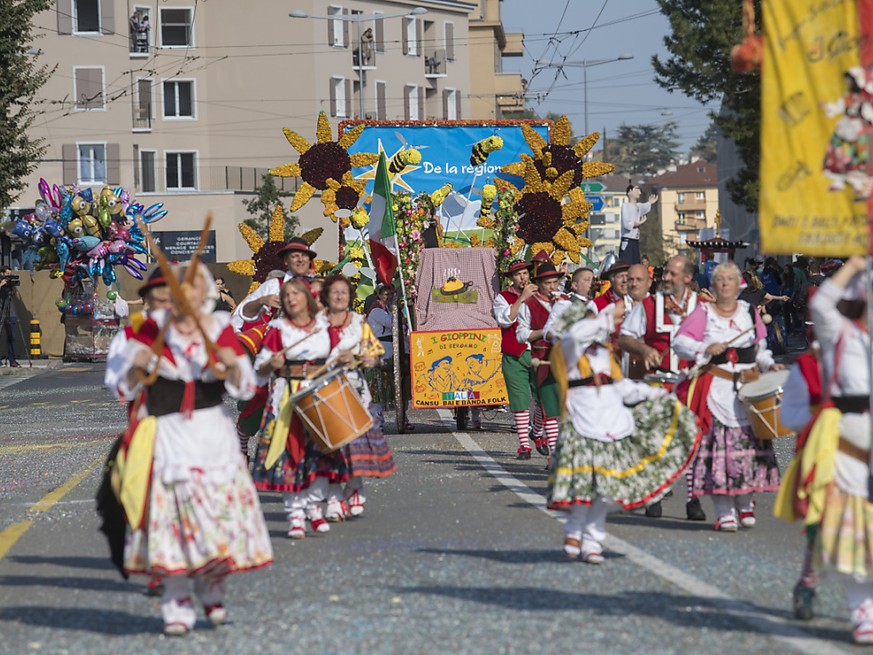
{"x":61,"y":303}
{"x":112,"y":294}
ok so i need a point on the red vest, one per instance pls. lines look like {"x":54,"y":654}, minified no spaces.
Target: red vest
{"x":510,"y":344}
{"x":660,"y":341}
{"x":539,"y":315}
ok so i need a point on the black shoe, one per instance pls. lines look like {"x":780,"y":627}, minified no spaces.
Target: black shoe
{"x":542,"y":446}
{"x":523,"y":453}
{"x":693,"y":510}
{"x":654,"y":511}
{"x":803,"y":597}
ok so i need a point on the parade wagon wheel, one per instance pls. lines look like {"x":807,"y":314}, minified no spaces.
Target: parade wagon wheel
{"x":462,"y":418}
{"x":399,"y":370}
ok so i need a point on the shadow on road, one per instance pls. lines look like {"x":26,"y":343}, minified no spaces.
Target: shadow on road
{"x":679,"y":609}
{"x":108,"y":622}
{"x":97,"y":563}
{"x":67,"y":582}
{"x":545,"y":556}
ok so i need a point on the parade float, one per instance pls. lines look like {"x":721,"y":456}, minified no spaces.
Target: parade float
{"x":455,"y":203}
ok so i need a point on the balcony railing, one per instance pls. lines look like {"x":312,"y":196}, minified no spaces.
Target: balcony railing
{"x":435,"y":63}
{"x":142,"y":118}
{"x":369,"y":61}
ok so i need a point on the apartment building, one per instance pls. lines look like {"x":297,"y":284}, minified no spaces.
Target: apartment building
{"x":183,"y":102}
{"x":608,"y":194}
{"x":688,"y":202}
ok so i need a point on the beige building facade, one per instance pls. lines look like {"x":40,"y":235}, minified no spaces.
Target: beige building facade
{"x":184,"y":103}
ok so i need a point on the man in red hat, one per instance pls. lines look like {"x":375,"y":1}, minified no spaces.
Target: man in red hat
{"x":532,"y":318}
{"x":516,"y":361}
{"x":262,"y":303}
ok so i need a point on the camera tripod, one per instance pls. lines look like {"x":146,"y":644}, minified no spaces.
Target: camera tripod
{"x":5,"y":325}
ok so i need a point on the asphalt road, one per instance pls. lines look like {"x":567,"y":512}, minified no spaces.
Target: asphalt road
{"x":455,"y":554}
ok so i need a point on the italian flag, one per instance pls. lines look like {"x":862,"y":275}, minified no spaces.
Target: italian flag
{"x":383,"y":233}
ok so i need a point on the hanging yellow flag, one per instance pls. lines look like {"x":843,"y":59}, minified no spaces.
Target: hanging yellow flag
{"x":816,"y":117}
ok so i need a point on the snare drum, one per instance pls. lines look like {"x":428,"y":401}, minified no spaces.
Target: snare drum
{"x":332,"y":411}
{"x":762,"y":399}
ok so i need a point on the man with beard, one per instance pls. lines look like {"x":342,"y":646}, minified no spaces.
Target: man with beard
{"x":648,"y":333}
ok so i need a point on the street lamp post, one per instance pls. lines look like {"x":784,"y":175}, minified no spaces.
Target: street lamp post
{"x":585,"y":64}
{"x":357,"y":19}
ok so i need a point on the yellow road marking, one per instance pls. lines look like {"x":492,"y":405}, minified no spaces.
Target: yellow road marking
{"x":75,"y":369}
{"x":10,"y":535}
{"x":15,"y":450}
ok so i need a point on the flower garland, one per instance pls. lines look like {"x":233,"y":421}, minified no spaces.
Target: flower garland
{"x":412,"y":215}
{"x":503,"y":222}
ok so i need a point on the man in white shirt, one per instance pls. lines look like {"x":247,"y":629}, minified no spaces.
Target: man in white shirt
{"x":633,"y":215}
{"x":260,"y":305}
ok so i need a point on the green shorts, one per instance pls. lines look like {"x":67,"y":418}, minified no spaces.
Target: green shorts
{"x":518,"y":375}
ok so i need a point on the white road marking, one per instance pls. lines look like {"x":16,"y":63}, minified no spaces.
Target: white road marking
{"x":792,"y":636}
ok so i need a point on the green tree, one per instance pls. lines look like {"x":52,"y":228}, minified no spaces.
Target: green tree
{"x":20,"y":81}
{"x":651,"y":238}
{"x":706,"y":146}
{"x":699,"y":65}
{"x":261,"y":208}
{"x":643,"y":149}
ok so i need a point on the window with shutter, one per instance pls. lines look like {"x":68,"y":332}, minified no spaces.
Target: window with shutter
{"x":407,"y":94}
{"x":420,"y":93}
{"x":113,"y":163}
{"x":339,"y":97}
{"x":457,"y":106}
{"x":86,"y":16}
{"x":450,"y":41}
{"x":410,"y":36}
{"x":346,"y":38}
{"x":70,"y":163}
{"x":88,"y":88}
{"x":92,"y":163}
{"x":139,"y":28}
{"x":336,"y":27}
{"x":450,"y":105}
{"x":107,"y":17}
{"x":379,"y":32}
{"x":348,"y":91}
{"x":142,"y":108}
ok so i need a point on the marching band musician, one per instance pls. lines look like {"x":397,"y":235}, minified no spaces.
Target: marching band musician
{"x":648,"y":333}
{"x":262,"y":304}
{"x":609,"y":456}
{"x":368,"y":456}
{"x":836,"y":454}
{"x":728,"y":340}
{"x":533,"y":314}
{"x":199,"y":515}
{"x":516,"y":358}
{"x":286,"y":460}
{"x":616,"y":295}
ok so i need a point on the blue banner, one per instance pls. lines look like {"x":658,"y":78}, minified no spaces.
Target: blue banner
{"x":446,"y":151}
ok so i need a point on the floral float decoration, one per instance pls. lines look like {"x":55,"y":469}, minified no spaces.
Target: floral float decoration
{"x":326,"y":166}
{"x":503,"y":222}
{"x":265,"y":257}
{"x":551,"y":205}
{"x":414,"y":215}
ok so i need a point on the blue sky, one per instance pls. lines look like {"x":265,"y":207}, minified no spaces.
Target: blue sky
{"x":620,"y":92}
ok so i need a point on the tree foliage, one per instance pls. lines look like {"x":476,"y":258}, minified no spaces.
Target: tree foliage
{"x":643,"y":149}
{"x":703,"y":34}
{"x":261,"y":208}
{"x":706,"y":146}
{"x":20,"y":81}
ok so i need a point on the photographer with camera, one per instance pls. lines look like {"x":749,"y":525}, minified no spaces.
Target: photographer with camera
{"x":8,"y":317}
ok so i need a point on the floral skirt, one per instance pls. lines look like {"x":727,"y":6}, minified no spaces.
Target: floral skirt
{"x":369,"y":456}
{"x":631,"y":471}
{"x":200,"y":526}
{"x":731,"y":462}
{"x":845,"y":536}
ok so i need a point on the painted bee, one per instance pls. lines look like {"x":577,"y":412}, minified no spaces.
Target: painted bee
{"x":403,"y":159}
{"x":483,"y":148}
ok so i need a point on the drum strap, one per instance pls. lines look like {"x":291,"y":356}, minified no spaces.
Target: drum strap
{"x":747,"y":375}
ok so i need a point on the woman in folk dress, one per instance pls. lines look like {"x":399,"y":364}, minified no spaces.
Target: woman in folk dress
{"x":368,"y":455}
{"x":200,"y":516}
{"x":729,"y":340}
{"x":286,"y":459}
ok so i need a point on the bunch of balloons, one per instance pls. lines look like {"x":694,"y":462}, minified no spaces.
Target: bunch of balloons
{"x":83,"y":236}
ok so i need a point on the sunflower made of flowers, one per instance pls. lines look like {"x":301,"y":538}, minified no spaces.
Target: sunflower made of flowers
{"x":551,"y":214}
{"x":325,"y":164}
{"x":345,"y":194}
{"x":265,"y":255}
